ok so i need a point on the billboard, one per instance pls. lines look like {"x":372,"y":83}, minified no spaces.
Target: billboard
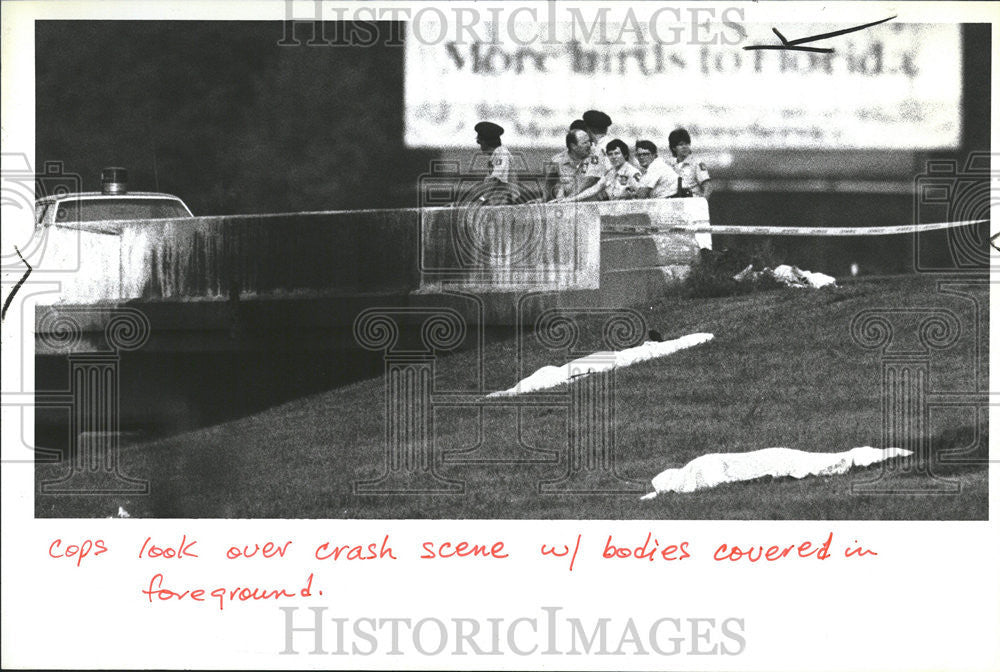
{"x":890,"y":86}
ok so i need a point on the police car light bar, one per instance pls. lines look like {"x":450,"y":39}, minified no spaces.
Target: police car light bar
{"x":114,"y":180}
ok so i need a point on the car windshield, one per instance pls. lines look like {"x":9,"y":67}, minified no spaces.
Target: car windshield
{"x":96,"y":210}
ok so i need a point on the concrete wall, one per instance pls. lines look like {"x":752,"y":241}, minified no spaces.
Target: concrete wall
{"x":318,"y":254}
{"x":541,"y":247}
{"x":533,"y":247}
{"x":481,"y":261}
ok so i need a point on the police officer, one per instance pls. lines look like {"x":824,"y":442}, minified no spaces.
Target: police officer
{"x":693,"y":173}
{"x":597,"y":125}
{"x":576,"y":168}
{"x":620,"y":182}
{"x":488,"y":138}
{"x":658,"y":179}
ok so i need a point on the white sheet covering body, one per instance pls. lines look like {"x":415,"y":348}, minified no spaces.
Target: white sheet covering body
{"x":552,"y":376}
{"x":708,"y":471}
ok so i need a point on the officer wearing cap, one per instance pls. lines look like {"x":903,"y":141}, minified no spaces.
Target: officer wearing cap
{"x":488,"y":138}
{"x":597,"y":126}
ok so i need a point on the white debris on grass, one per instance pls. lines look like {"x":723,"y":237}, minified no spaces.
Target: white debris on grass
{"x":790,"y":276}
{"x":796,"y":277}
{"x":552,"y":376}
{"x":714,"y":469}
{"x":122,"y":513}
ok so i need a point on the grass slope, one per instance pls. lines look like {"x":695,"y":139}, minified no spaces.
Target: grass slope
{"x":783,"y":370}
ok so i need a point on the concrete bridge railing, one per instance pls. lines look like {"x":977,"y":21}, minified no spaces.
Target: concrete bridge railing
{"x":488,"y":249}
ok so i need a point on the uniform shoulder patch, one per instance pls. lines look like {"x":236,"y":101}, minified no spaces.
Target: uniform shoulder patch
{"x":702,"y":166}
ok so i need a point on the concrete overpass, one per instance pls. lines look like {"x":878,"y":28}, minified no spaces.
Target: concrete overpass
{"x":299,"y":279}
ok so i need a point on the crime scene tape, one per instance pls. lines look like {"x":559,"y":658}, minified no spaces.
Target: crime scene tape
{"x":823,"y":230}
{"x":729,"y":230}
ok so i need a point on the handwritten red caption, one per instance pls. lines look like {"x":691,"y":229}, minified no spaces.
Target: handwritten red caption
{"x":183,"y":549}
{"x":462,"y":549}
{"x":268,"y":550}
{"x":650,"y":550}
{"x":432,"y":550}
{"x":77,"y":551}
{"x":561,"y":552}
{"x":805,"y":549}
{"x":223,"y":595}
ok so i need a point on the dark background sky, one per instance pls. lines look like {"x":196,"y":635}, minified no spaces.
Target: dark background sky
{"x":221,"y":115}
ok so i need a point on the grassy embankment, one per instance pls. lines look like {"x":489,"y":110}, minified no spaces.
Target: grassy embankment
{"x":783,"y":370}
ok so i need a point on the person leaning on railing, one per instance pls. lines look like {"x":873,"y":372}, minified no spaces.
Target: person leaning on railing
{"x":575,"y":169}
{"x":621,"y":182}
{"x":658,"y":179}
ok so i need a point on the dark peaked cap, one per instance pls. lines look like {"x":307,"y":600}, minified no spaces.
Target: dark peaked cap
{"x":596,"y":119}
{"x":488,"y":129}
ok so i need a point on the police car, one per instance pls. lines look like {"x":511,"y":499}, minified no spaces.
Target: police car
{"x":113,"y":202}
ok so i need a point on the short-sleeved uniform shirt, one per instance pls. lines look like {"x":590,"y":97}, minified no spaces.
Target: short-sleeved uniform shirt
{"x":600,"y":147}
{"x":693,"y":174}
{"x":660,"y":179}
{"x":574,"y":175}
{"x":620,"y":183}
{"x":500,"y":166}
